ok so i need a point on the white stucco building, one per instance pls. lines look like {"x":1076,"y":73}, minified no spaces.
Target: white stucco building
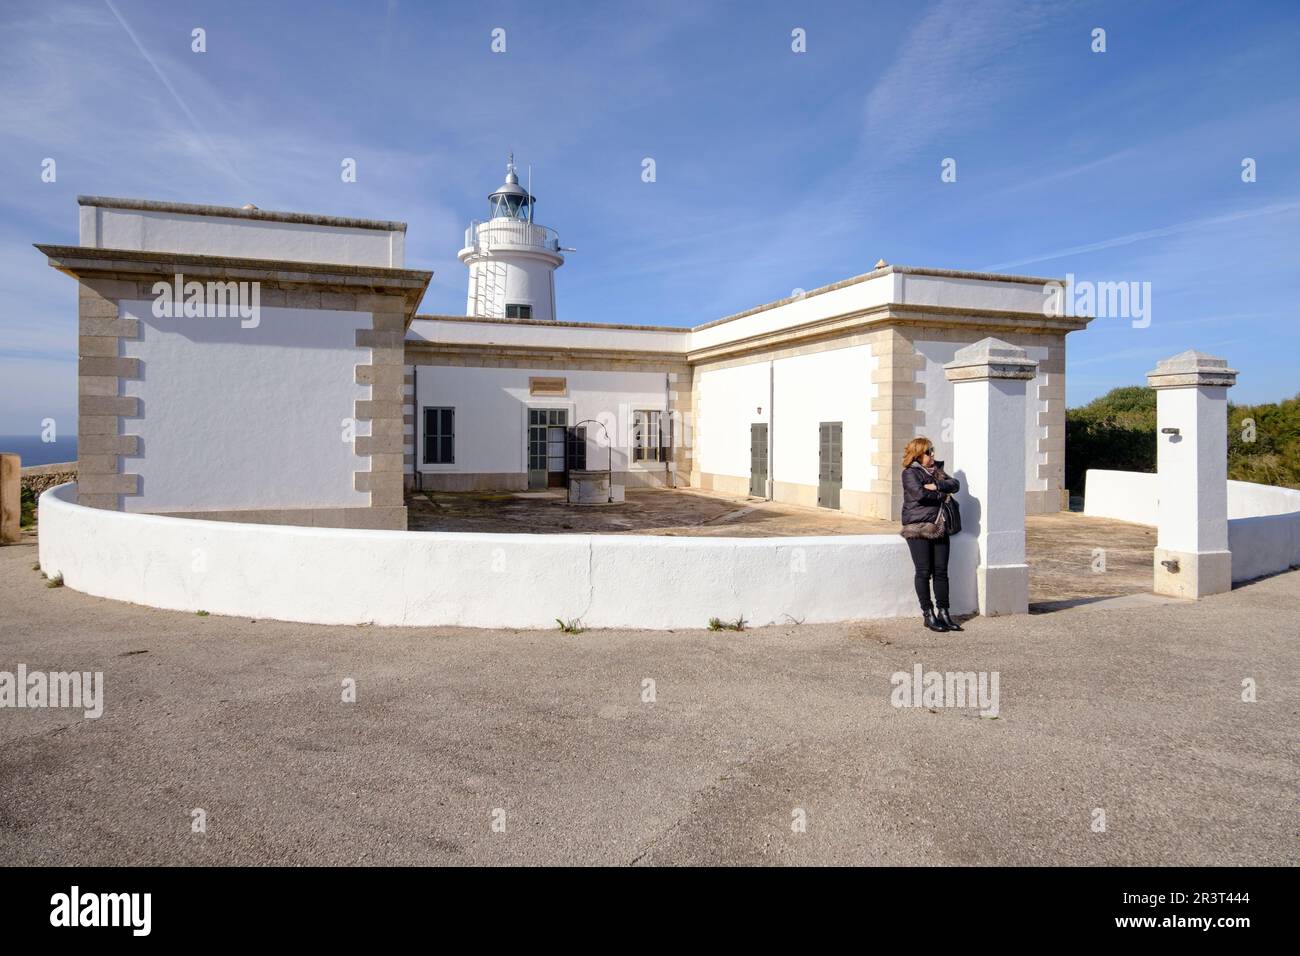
{"x":808,"y":400}
{"x":339,"y":397}
{"x":240,"y":368}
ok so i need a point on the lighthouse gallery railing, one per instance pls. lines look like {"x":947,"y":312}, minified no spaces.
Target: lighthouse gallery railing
{"x":510,"y":232}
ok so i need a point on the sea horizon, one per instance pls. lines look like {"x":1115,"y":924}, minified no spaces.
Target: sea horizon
{"x":33,"y":451}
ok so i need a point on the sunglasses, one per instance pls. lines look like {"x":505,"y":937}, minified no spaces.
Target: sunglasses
{"x":929,"y":451}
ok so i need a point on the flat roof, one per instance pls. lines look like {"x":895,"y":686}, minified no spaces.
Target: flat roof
{"x":232,"y":212}
{"x":854,"y":280}
{"x":876,"y":274}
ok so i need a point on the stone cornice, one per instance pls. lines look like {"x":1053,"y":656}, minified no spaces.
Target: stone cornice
{"x":83,"y":262}
{"x":954,"y":318}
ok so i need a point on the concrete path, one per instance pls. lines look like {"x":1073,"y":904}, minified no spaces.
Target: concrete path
{"x":1132,"y":707}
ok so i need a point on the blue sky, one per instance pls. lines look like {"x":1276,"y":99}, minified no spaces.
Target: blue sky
{"x":775,"y":170}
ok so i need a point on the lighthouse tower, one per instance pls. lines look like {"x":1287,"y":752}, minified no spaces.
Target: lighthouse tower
{"x":511,"y":259}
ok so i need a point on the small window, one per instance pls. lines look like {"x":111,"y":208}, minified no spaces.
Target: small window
{"x":515,"y":311}
{"x":439,"y":436}
{"x":645,"y":435}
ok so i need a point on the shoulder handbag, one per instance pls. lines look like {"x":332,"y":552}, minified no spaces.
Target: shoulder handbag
{"x":949,"y":519}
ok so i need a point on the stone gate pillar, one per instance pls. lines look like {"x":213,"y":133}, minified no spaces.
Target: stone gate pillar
{"x":989,"y":382}
{"x":1191,"y":556}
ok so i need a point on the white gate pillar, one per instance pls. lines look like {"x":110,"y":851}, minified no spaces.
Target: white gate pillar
{"x":1191,"y":556}
{"x":989,"y":381}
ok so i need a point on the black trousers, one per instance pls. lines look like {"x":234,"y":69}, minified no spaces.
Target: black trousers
{"x":930,"y":559}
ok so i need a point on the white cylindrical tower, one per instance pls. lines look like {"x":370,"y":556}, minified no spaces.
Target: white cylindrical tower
{"x":512,"y":260}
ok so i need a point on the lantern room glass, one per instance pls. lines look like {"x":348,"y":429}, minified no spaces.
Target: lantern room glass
{"x":509,"y":207}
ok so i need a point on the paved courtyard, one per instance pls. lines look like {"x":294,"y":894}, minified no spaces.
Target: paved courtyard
{"x":1131,"y":707}
{"x":645,"y":511}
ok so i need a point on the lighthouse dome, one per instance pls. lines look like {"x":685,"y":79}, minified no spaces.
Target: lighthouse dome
{"x":510,"y":200}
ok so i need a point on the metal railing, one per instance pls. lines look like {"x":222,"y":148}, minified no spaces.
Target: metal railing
{"x":510,"y":232}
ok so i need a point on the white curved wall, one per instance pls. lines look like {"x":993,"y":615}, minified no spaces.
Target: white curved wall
{"x":1121,"y":495}
{"x":1263,"y":545}
{"x":1263,"y":520}
{"x":1249,"y":500}
{"x":1263,"y":529}
{"x":335,"y":576}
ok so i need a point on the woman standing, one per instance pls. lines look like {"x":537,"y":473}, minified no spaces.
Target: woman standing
{"x":925,"y":487}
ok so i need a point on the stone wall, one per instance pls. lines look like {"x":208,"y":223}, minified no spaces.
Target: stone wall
{"x":39,"y":478}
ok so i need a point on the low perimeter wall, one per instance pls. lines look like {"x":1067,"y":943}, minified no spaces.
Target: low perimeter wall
{"x":1263,"y":520}
{"x":338,"y":576}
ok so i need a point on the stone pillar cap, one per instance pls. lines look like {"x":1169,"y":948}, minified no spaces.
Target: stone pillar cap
{"x":1191,"y":368}
{"x":990,"y":358}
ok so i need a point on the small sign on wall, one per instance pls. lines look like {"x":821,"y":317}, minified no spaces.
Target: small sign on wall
{"x":547,"y":386}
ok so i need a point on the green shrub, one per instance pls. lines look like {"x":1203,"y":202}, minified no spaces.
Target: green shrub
{"x":1118,"y":431}
{"x":27,"y":502}
{"x":1264,"y":443}
{"x":718,"y":624}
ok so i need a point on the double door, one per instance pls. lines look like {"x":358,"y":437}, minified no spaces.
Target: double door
{"x":553,"y":447}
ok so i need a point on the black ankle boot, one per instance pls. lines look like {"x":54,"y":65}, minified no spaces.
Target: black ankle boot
{"x":932,"y":622}
{"x":946,"y":620}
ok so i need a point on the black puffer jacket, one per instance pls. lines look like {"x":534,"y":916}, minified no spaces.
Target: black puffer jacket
{"x":920,"y":505}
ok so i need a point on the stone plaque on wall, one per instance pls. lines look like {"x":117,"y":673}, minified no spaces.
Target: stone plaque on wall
{"x":547,"y":386}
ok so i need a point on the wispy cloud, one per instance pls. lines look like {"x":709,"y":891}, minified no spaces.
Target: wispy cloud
{"x":954,"y":67}
{"x":208,"y":147}
{"x":1130,"y":238}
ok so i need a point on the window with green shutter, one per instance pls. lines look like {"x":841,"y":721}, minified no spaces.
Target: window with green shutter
{"x":439,"y":436}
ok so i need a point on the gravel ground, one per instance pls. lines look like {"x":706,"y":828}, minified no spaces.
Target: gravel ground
{"x":1131,"y":706}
